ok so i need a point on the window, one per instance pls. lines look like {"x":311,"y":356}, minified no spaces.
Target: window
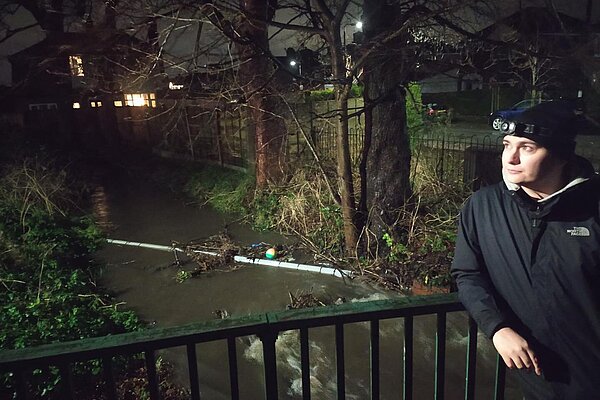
{"x":95,"y":104}
{"x":76,"y":105}
{"x":42,"y":106}
{"x":118,"y":103}
{"x":76,"y":64}
{"x":140,"y":100}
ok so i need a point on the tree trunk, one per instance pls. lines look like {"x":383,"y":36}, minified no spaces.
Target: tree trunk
{"x":344,"y":169}
{"x":388,"y":160}
{"x":254,"y":72}
{"x":344,"y":162}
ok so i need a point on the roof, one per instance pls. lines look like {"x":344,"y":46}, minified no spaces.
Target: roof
{"x":534,"y":20}
{"x":90,"y":42}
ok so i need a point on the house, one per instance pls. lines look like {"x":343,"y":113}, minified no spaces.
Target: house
{"x":452,"y":80}
{"x":548,"y":53}
{"x":68,"y":80}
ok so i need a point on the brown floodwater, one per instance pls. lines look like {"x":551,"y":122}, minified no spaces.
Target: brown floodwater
{"x":144,"y":281}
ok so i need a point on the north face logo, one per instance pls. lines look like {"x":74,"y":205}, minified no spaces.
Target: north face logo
{"x":579,"y":231}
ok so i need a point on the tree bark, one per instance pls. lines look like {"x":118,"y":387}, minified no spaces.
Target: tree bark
{"x":255,"y":74}
{"x":344,"y":163}
{"x":388,"y":159}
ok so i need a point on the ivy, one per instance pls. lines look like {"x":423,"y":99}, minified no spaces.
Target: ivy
{"x":47,"y":281}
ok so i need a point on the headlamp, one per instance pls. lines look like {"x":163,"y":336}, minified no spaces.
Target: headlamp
{"x":521,"y":129}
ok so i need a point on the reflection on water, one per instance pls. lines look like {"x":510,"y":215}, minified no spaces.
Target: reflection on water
{"x":145,"y":280}
{"x":101,"y":209}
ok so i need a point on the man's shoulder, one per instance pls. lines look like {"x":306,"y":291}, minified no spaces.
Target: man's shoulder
{"x":489,"y":193}
{"x":484,"y":200}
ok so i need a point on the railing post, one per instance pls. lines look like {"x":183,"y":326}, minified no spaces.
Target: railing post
{"x":408,"y":358}
{"x":339,"y":361}
{"x":153,"y":388}
{"x":268,"y":339}
{"x":375,"y":384}
{"x":66,"y":378}
{"x":109,"y":380}
{"x":471,"y":361}
{"x":500,"y":379}
{"x":440,"y":356}
{"x":233,"y":368}
{"x":305,"y":363}
{"x":21,"y":386}
{"x":193,"y":371}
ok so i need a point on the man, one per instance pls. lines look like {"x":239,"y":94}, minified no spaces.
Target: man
{"x":527,"y":260}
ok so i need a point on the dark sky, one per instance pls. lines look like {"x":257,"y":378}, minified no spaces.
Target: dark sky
{"x":575,"y":8}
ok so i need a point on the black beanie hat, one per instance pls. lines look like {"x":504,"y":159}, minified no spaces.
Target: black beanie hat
{"x":553,"y":125}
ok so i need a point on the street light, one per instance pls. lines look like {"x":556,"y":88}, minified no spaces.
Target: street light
{"x":293,"y":63}
{"x":358,"y":25}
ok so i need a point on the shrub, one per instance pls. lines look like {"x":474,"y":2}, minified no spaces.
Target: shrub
{"x":224,"y":189}
{"x":329,"y":94}
{"x":47,"y":269}
{"x":414,"y":107}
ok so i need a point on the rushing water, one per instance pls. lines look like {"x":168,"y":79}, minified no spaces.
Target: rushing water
{"x":144,"y":280}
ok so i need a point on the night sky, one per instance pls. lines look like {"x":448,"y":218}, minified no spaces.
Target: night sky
{"x":575,"y":8}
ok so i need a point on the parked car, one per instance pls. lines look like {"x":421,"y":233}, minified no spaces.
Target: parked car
{"x":499,"y":116}
{"x":437,"y":112}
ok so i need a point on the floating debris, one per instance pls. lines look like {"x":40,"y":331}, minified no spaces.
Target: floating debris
{"x":221,"y":313}
{"x":303,"y":299}
{"x":263,"y":250}
{"x":220,"y":244}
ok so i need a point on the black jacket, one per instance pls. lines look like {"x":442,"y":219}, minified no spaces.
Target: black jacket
{"x":535,"y":266}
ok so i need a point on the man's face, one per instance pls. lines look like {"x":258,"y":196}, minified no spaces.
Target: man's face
{"x":526,"y":163}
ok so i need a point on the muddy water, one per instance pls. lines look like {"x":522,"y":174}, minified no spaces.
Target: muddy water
{"x":144,"y":280}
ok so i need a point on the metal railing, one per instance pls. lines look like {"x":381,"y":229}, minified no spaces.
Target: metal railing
{"x":267,"y":327}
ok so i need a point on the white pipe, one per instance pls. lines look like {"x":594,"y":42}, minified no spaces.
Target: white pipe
{"x":260,"y":261}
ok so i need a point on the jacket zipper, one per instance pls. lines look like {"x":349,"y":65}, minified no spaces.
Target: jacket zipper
{"x":535,"y":220}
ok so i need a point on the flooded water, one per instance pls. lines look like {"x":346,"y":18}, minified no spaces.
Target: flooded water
{"x":144,"y":280}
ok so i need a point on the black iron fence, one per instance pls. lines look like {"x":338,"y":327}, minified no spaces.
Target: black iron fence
{"x":223,"y":136}
{"x":22,"y":363}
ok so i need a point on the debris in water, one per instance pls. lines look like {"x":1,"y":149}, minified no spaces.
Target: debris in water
{"x":303,"y":299}
{"x":270,"y":251}
{"x":221,"y":313}
{"x":220,"y":245}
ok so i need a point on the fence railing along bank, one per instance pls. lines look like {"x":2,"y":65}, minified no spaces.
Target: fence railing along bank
{"x":225,"y":137}
{"x":20,"y":363}
{"x":196,"y":130}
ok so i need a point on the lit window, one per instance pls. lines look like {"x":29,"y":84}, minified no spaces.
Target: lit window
{"x":99,"y":104}
{"x":140,"y":99}
{"x":76,"y":64}
{"x":118,"y":103}
{"x":93,"y":104}
{"x":76,"y":105}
